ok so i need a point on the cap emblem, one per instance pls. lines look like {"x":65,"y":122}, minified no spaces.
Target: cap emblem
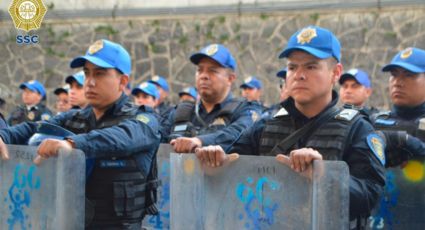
{"x":95,"y":47}
{"x":306,"y":35}
{"x":406,"y":53}
{"x":211,"y":49}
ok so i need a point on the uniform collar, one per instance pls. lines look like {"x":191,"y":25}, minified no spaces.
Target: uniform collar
{"x":409,"y":112}
{"x":289,"y":105}
{"x":113,"y":108}
{"x":226,"y":100}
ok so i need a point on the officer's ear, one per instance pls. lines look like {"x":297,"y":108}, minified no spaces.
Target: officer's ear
{"x":231,"y":74}
{"x":123,"y":81}
{"x":337,"y":69}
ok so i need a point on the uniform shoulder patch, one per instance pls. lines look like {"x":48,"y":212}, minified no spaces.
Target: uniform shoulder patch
{"x":376,"y":144}
{"x":347,"y":114}
{"x":281,"y":112}
{"x":143,"y":118}
{"x":45,"y":117}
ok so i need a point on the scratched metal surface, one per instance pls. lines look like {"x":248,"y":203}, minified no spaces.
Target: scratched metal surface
{"x":258,"y":193}
{"x":48,"y":196}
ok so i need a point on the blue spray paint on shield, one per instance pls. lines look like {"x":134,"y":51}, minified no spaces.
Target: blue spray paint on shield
{"x":162,"y":220}
{"x":258,"y":208}
{"x":19,"y":196}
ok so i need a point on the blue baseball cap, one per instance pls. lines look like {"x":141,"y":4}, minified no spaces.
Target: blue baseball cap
{"x":160,"y":81}
{"x":34,"y":86}
{"x":147,"y":88}
{"x":105,"y":54}
{"x":218,"y":53}
{"x":63,"y":89}
{"x":358,"y":75}
{"x":316,"y":41}
{"x":282,"y":73}
{"x":411,"y":59}
{"x":191,"y":91}
{"x":78,"y":77}
{"x":252,"y":83}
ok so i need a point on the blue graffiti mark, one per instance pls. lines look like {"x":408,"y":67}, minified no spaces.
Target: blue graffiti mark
{"x":162,"y":220}
{"x":259,"y":210}
{"x":387,"y":201}
{"x":19,"y":195}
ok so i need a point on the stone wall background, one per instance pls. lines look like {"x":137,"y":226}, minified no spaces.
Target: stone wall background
{"x":161,"y":45}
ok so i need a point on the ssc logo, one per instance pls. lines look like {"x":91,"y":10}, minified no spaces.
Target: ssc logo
{"x":27,"y":14}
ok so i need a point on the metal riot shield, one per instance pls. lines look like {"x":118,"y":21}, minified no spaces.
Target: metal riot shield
{"x":162,"y":220}
{"x":258,"y":193}
{"x":402,"y":206}
{"x":47,"y":196}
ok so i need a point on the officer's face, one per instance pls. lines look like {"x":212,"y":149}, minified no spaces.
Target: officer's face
{"x":407,"y":88}
{"x":309,"y":80}
{"x":102,"y":86}
{"x":144,"y":99}
{"x":251,"y":94}
{"x":213,"y":81}
{"x":76,"y":95}
{"x":62,"y":102}
{"x":353,"y":93}
{"x":30,"y":97}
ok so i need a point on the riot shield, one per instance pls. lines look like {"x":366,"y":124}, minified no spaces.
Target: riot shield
{"x":162,"y":220}
{"x":47,"y":196}
{"x":402,"y":206}
{"x":258,"y":193}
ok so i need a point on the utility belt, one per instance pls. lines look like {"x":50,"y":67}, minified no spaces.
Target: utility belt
{"x":115,"y":193}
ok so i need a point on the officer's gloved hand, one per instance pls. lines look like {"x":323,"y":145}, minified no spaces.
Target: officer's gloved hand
{"x":397,"y":150}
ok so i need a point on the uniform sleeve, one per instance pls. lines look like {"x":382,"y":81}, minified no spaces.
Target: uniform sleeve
{"x":130,"y":136}
{"x":249,"y":141}
{"x":20,"y":133}
{"x":367,"y":174}
{"x":241,"y":120}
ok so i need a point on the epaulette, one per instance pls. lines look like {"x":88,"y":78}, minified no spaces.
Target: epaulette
{"x":346,"y":114}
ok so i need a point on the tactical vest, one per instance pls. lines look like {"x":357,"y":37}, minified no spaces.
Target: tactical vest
{"x":117,"y":190}
{"x":383,"y":121}
{"x":329,"y":139}
{"x":21,"y":114}
{"x":185,"y":113}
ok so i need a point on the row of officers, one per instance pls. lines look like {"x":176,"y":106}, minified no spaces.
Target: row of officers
{"x":307,"y":125}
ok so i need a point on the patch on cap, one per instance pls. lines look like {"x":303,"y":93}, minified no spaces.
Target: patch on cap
{"x":247,"y":80}
{"x":31,"y":82}
{"x":186,"y":90}
{"x":96,"y":46}
{"x":306,"y":35}
{"x":406,"y":53}
{"x":353,"y":72}
{"x":155,"y":78}
{"x":144,"y":85}
{"x":211,"y":49}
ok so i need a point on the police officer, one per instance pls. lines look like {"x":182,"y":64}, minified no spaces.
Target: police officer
{"x":355,"y":90}
{"x":188,"y":94}
{"x":311,"y":127}
{"x":146,"y":94}
{"x":76,"y":92}
{"x":406,"y":85}
{"x":33,"y":93}
{"x":251,"y":89}
{"x":62,"y":99}
{"x":282,"y":96}
{"x":120,"y":137}
{"x":218,"y":117}
{"x":162,"y":106}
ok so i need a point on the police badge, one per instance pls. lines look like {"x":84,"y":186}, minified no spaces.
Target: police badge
{"x":211,"y":49}
{"x":406,"y":53}
{"x":96,"y":46}
{"x":27,"y":14}
{"x":306,"y":35}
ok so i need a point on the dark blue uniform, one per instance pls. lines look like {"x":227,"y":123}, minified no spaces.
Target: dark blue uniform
{"x":367,"y":173}
{"x":221,"y":128}
{"x":123,"y":145}
{"x":3,"y":123}
{"x":36,"y":113}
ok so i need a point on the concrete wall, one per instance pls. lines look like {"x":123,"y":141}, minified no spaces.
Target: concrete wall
{"x":161,"y":44}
